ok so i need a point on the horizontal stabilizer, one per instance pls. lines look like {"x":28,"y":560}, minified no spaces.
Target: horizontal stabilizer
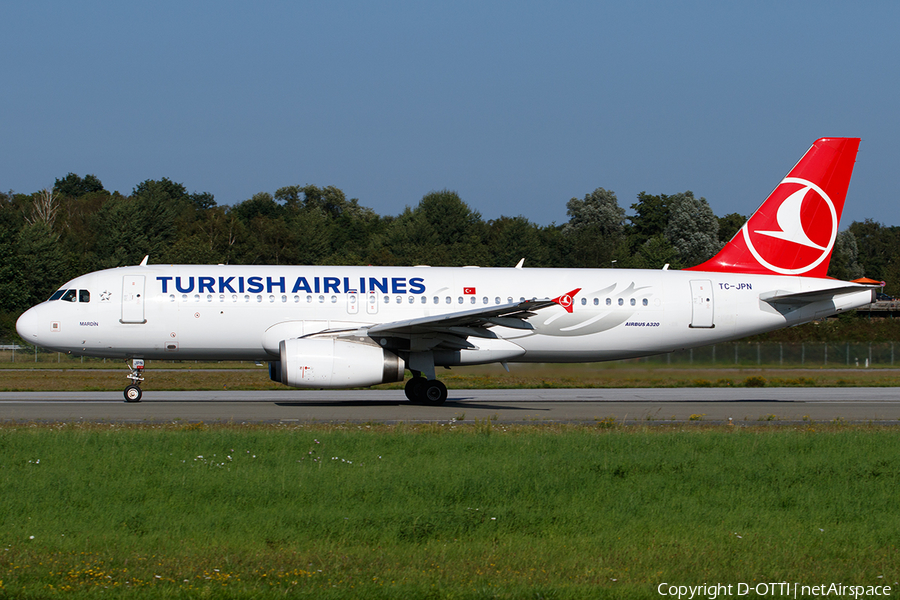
{"x":783,"y":297}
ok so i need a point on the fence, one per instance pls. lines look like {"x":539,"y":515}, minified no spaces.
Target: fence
{"x":734,"y":354}
{"x":773,"y":354}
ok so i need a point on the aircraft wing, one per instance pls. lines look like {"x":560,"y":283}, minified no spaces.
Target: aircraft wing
{"x":799,"y":298}
{"x":448,"y":331}
{"x":465,"y":323}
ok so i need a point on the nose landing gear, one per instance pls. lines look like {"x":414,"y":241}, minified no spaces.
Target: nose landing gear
{"x":136,"y":375}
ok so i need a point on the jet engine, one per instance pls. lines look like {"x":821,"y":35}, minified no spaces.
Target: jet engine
{"x":331,"y":363}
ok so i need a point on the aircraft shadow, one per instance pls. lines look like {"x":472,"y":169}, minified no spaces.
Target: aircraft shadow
{"x":369,"y":403}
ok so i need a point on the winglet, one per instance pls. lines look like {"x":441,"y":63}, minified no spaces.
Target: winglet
{"x":567,"y":301}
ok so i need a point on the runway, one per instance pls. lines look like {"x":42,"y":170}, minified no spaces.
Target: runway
{"x":631,"y":405}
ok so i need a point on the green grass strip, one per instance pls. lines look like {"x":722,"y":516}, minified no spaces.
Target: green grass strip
{"x":440,"y":511}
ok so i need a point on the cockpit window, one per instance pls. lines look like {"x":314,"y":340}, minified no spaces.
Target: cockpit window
{"x":57,"y":294}
{"x":70,"y":295}
{"x":84,"y":296}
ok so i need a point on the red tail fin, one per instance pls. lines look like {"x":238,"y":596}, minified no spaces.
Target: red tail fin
{"x":794,"y":230}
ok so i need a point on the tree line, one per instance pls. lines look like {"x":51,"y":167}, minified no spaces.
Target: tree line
{"x":52,"y":235}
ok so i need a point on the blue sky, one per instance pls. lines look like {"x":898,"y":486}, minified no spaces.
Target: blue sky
{"x":517,"y":106}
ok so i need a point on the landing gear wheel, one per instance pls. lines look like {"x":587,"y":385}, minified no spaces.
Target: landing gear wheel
{"x":136,"y":375}
{"x":133,"y":393}
{"x":435,"y":393}
{"x":415,"y":389}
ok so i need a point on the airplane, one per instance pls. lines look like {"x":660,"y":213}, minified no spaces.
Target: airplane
{"x":359,"y":326}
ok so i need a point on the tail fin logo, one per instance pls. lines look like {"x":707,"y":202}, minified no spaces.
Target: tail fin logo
{"x":801,"y":233}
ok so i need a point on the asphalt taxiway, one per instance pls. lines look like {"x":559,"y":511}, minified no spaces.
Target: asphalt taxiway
{"x":503,"y":406}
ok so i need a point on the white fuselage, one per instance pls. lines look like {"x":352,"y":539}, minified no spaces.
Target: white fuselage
{"x":244,"y":312}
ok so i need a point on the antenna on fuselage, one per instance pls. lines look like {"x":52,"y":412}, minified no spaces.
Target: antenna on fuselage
{"x":144,"y":262}
{"x":520,"y":263}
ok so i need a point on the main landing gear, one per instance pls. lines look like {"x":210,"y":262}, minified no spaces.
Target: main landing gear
{"x":425,"y":391}
{"x":133,"y":391}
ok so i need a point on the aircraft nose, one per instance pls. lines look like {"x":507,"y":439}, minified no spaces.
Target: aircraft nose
{"x":27,"y":326}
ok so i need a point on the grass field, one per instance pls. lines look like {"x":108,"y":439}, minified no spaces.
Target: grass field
{"x":441,"y":511}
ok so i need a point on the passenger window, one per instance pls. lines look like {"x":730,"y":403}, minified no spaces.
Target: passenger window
{"x":583,"y":301}
{"x":84,"y":296}
{"x":633,"y":301}
{"x":473,"y":299}
{"x":70,"y":295}
{"x":609,"y":301}
{"x":596,"y":301}
{"x":644,"y":302}
{"x":57,"y":295}
{"x":621,"y":302}
{"x":484,"y":300}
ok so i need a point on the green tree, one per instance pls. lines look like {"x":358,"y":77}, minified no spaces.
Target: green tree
{"x":655,"y":253}
{"x":650,"y":218}
{"x":693,"y":229}
{"x":878,"y":246}
{"x":844,"y":263}
{"x":261,"y":204}
{"x":511,"y":239}
{"x":43,"y":264}
{"x":134,"y":227}
{"x":596,"y":228}
{"x":73,"y":186}
{"x":729,"y":225}
{"x":441,"y":230}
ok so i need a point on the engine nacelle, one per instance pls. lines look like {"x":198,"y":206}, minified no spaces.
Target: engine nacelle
{"x":331,"y":363}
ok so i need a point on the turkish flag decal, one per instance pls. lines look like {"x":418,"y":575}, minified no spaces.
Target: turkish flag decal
{"x":467,"y":290}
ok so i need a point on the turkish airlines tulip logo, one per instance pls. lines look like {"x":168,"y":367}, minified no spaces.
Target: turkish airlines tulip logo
{"x":567,"y":301}
{"x":801,"y":233}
